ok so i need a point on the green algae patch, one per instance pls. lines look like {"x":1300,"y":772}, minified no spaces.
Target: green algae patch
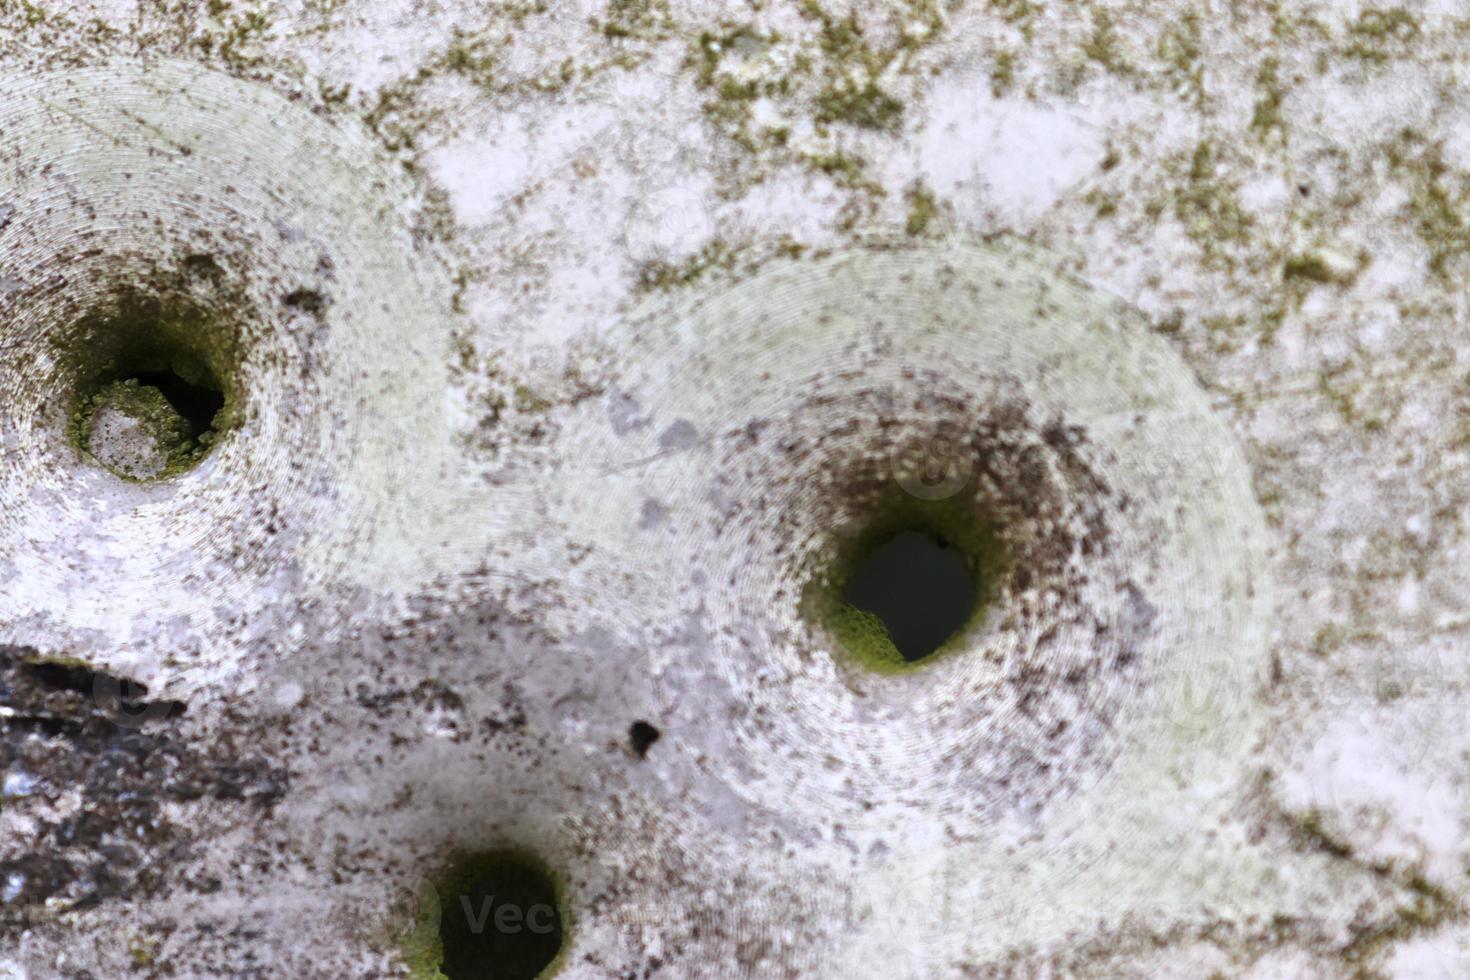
{"x":949,"y":525}
{"x":500,"y":913}
{"x":156,"y":385}
{"x":135,"y":431}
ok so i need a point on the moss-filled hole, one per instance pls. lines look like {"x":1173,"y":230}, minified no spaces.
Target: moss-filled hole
{"x":154,"y":387}
{"x":501,"y":916}
{"x":198,"y":405}
{"x":907,"y":582}
{"x":919,"y":586}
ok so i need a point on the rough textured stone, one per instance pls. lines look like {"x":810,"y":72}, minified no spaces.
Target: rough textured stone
{"x":567,"y":334}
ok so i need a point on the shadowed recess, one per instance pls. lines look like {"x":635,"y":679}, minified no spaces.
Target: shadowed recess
{"x":919,"y":586}
{"x":906,"y":581}
{"x":500,"y":919}
{"x":641,"y":736}
{"x":153,"y":393}
{"x":196,"y":404}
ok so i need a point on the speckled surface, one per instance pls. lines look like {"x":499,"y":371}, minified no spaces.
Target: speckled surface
{"x":566,"y":338}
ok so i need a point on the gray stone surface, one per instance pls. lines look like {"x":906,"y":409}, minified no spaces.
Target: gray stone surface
{"x":558,"y":326}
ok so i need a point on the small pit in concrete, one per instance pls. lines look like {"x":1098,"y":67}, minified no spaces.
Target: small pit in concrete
{"x":906,"y":582}
{"x":153,"y":393}
{"x":919,"y":586}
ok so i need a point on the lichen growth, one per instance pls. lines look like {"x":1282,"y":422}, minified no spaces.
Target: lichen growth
{"x":1207,"y":205}
{"x":1103,"y":45}
{"x":167,"y":445}
{"x":1379,"y":34}
{"x":642,"y":19}
{"x":923,"y":208}
{"x":1438,"y":195}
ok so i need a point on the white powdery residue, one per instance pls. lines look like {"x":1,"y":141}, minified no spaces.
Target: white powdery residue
{"x":1399,"y":96}
{"x":381,"y":46}
{"x":1393,"y":269}
{"x":17,"y":783}
{"x":120,"y":14}
{"x":1016,"y":156}
{"x":1456,"y":145}
{"x":1409,"y":597}
{"x":783,"y":206}
{"x":481,"y":173}
{"x":667,"y":223}
{"x":1266,"y":195}
{"x":1365,"y":761}
{"x":1445,"y":953}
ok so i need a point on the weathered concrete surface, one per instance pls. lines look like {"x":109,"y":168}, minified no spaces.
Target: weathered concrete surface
{"x":541,"y":413}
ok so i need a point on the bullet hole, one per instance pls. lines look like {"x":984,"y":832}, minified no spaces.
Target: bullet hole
{"x":500,"y":917}
{"x":919,"y":586}
{"x":152,"y":396}
{"x":906,"y":581}
{"x":641,"y":736}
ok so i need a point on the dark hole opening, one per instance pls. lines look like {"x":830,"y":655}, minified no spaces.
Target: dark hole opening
{"x":920,"y":586}
{"x":196,"y":404}
{"x":641,"y":737}
{"x":503,"y":923}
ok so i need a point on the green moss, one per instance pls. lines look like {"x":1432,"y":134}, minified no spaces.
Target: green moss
{"x":1104,"y":204}
{"x":1328,"y":639}
{"x":846,"y":170}
{"x":665,"y":275}
{"x":1342,"y":394}
{"x":733,"y":91}
{"x":862,"y":635}
{"x":1438,"y":197}
{"x":1019,"y":13}
{"x":472,"y":58}
{"x":1266,"y":116}
{"x":1179,"y":48}
{"x":1102,"y":45}
{"x":146,"y":406}
{"x":1378,"y":34}
{"x":422,"y":943}
{"x":527,"y":400}
{"x":863,"y":104}
{"x":1208,"y":207}
{"x":851,"y":92}
{"x":624,"y":19}
{"x":1315,"y":267}
{"x":1309,"y":267}
{"x":923,"y":208}
{"x":1002,"y":72}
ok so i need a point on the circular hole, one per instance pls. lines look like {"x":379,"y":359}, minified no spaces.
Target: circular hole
{"x":153,"y":392}
{"x":919,"y":587}
{"x":908,"y":583}
{"x":501,"y":916}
